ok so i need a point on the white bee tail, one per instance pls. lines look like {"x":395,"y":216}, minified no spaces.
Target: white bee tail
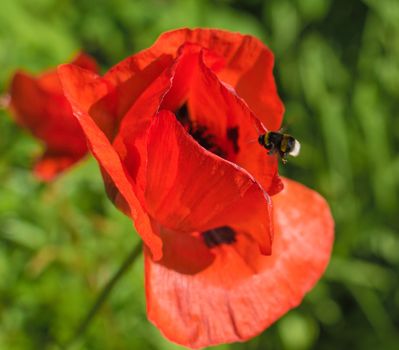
{"x":297,"y":148}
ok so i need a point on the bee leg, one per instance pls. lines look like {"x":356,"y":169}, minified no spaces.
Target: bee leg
{"x":283,"y":156}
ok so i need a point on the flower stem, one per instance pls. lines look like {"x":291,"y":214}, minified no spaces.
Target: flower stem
{"x":105,"y":292}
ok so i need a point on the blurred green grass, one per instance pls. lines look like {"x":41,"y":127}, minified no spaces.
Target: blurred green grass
{"x":337,"y":68}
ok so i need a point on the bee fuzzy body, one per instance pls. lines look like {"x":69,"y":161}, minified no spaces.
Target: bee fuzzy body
{"x":282,"y":144}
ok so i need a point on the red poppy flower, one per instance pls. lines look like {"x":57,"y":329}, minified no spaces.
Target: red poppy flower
{"x":38,"y":104}
{"x":171,"y":128}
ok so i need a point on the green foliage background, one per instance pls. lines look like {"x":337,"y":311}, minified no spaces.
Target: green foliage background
{"x":337,"y":67}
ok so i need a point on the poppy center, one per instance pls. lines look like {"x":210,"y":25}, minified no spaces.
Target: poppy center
{"x":205,"y":138}
{"x":218,"y":236}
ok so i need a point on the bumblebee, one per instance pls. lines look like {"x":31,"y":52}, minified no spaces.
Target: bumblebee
{"x":283,"y":144}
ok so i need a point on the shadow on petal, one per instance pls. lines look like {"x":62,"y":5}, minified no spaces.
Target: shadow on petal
{"x":185,"y":253}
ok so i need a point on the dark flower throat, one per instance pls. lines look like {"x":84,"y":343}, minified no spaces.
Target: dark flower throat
{"x":218,"y":236}
{"x":202,"y":135}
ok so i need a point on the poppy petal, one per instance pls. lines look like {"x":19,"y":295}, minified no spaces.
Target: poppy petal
{"x":50,"y":82}
{"x":28,"y":101}
{"x":46,"y":113}
{"x":217,"y":106}
{"x":50,"y":164}
{"x":149,"y":87}
{"x":191,"y":189}
{"x":92,"y":93}
{"x":135,"y":82}
{"x":242,"y":292}
{"x":85,"y":61}
{"x":248,"y":66}
{"x":185,"y":67}
{"x":82,"y":88}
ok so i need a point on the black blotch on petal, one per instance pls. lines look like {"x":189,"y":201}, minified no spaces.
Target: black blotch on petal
{"x":218,"y":236}
{"x":200,"y":133}
{"x":232,"y":135}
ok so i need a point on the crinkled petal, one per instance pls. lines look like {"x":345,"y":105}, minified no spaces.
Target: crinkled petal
{"x":149,"y":87}
{"x":248,"y":66}
{"x":82,"y":89}
{"x":185,"y":67}
{"x":217,"y":106}
{"x":241,"y":292}
{"x":191,"y":189}
{"x":94,"y":95}
{"x":49,"y":80}
{"x":135,"y":84}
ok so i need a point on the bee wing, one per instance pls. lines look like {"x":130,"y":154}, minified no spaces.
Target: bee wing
{"x":287,"y":124}
{"x":252,"y":141}
{"x":260,"y":128}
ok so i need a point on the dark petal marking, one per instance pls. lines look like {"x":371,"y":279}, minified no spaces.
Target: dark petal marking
{"x":218,"y":236}
{"x":232,"y":135}
{"x":200,"y":133}
{"x":182,"y":115}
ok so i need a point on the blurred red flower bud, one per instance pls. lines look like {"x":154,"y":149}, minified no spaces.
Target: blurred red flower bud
{"x":171,"y":128}
{"x":38,"y":104}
